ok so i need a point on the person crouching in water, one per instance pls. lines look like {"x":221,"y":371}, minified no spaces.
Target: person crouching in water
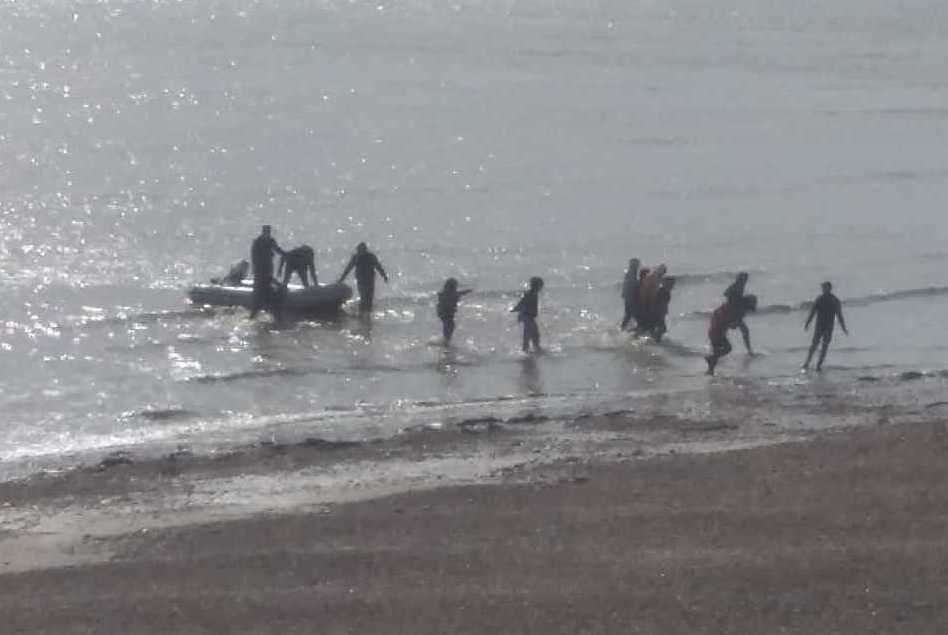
{"x":235,"y":276}
{"x":630,"y":292}
{"x":729,"y":315}
{"x":527,"y":311}
{"x":302,"y":262}
{"x":826,"y":309}
{"x":660,"y":308}
{"x":448,"y":299}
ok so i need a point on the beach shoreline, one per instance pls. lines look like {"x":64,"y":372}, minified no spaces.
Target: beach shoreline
{"x":733,"y":538}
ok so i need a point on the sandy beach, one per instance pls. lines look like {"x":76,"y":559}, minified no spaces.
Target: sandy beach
{"x":842,"y":533}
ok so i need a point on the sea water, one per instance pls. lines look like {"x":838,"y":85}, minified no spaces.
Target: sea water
{"x":142,"y":144}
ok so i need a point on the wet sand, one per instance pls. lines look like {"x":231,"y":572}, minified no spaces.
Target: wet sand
{"x":845,"y":533}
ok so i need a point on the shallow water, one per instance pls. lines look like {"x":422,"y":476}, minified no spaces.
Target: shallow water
{"x":144,"y":143}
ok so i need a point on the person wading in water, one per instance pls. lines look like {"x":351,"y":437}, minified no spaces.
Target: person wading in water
{"x":261,"y":259}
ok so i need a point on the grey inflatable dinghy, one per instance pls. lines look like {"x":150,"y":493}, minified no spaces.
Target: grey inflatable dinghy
{"x":316,"y":300}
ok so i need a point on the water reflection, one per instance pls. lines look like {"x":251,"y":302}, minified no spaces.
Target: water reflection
{"x":530,"y":379}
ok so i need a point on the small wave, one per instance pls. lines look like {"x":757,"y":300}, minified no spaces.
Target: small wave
{"x":711,"y":276}
{"x":294,"y":371}
{"x":912,"y":375}
{"x":903,"y":376}
{"x":890,"y":296}
{"x":144,"y":317}
{"x":430,"y":298}
{"x":212,"y":378}
{"x":865,"y":300}
{"x":836,"y":349}
{"x":165,"y":414}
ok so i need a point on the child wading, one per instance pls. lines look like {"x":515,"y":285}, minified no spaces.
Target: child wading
{"x":448,"y":299}
{"x":527,"y":310}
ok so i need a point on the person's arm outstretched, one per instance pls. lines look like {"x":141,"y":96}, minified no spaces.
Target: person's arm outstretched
{"x":378,"y":267}
{"x":839,"y":316}
{"x":746,"y":334}
{"x":810,"y":319}
{"x":464,"y":292}
{"x":349,"y":267}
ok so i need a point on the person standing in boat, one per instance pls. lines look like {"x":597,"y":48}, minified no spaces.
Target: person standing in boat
{"x":261,"y":260}
{"x":366,"y":264}
{"x":302,"y":261}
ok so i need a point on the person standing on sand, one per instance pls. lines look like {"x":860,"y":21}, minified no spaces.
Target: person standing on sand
{"x":527,"y":311}
{"x":448,"y":299}
{"x":261,"y":260}
{"x":630,"y":292}
{"x":827,"y":309}
{"x":365,"y":264}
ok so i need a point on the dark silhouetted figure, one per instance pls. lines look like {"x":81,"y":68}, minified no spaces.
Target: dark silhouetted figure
{"x":261,"y":259}
{"x":527,"y":311}
{"x":729,"y":315}
{"x":301,"y":261}
{"x":630,"y":292}
{"x":826,"y":309}
{"x":736,"y":298}
{"x":365,"y":264}
{"x":448,"y":299}
{"x":662,"y":301}
{"x":235,"y":276}
{"x":640,"y":304}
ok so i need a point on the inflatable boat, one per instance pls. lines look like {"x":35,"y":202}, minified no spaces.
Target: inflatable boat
{"x":316,"y":300}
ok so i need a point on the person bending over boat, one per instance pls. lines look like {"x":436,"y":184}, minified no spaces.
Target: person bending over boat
{"x":365,"y":264}
{"x":261,"y":259}
{"x":302,"y":262}
{"x":630,"y":292}
{"x":527,"y":311}
{"x":826,"y":309}
{"x":448,"y":299}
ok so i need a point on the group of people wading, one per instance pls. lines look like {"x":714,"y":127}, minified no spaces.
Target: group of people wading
{"x":646,"y":293}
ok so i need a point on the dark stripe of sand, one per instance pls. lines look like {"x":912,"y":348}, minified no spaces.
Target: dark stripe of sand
{"x":844,"y":534}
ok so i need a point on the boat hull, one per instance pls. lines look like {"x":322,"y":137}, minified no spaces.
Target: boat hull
{"x":316,"y":300}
